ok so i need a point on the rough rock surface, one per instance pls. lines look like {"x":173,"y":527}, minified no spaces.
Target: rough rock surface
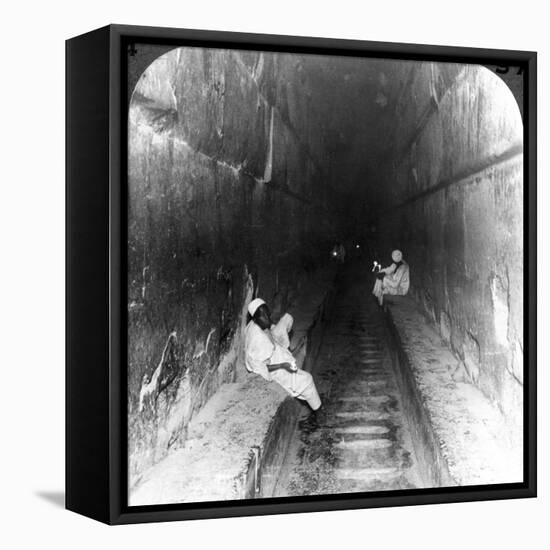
{"x":470,"y":431}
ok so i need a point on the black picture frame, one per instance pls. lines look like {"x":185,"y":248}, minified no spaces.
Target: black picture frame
{"x":96,"y":107}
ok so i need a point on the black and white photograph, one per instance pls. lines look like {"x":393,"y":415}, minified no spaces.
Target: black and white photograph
{"x":325,"y":274}
{"x":274,"y":275}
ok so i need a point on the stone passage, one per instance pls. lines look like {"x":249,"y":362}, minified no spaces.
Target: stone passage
{"x":360,"y":442}
{"x":245,"y":168}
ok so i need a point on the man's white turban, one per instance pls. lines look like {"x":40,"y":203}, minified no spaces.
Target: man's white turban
{"x":396,"y":256}
{"x":254,"y":305}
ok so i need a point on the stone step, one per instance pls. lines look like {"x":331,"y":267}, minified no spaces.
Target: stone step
{"x":378,"y":443}
{"x":367,"y":372}
{"x":371,"y":386}
{"x":378,"y":419}
{"x":364,"y":399}
{"x":369,"y":344}
{"x":361,"y":393}
{"x":374,"y":398}
{"x":370,"y":382}
{"x":362,"y":415}
{"x":353,"y":436}
{"x":364,"y":429}
{"x":390,"y":456}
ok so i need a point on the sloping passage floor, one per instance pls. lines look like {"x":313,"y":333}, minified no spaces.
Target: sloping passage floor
{"x":360,"y":442}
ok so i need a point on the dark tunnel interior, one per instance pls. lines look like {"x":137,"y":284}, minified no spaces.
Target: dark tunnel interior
{"x":245,"y":168}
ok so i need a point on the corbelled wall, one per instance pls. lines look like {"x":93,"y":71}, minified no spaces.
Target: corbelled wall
{"x":225,"y":194}
{"x":245,"y":167}
{"x":455,"y":190}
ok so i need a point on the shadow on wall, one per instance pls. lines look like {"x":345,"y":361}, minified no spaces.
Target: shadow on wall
{"x":457,"y":214}
{"x":210,"y":149}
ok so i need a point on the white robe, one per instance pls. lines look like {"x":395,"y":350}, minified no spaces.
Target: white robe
{"x":396,"y":282}
{"x":270,"y":347}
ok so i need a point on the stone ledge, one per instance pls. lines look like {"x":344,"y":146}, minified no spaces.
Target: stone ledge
{"x":237,"y":442}
{"x":459,"y":434}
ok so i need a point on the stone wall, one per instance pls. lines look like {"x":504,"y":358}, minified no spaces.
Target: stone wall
{"x":226,"y":197}
{"x":454,"y":186}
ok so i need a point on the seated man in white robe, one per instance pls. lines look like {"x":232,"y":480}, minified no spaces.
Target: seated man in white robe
{"x":267,"y":354}
{"x":394,"y":279}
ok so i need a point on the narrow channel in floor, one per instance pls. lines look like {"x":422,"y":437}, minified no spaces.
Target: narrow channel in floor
{"x":360,"y":442}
